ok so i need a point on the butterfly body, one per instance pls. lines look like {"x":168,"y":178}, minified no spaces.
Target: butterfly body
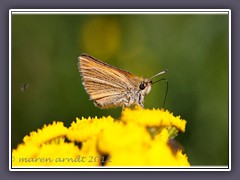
{"x":109,"y":86}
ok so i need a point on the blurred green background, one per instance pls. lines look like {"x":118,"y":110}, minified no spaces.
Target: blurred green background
{"x":46,"y":84}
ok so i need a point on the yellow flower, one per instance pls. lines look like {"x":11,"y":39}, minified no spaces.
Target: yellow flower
{"x":23,"y":154}
{"x":154,"y":117}
{"x":130,"y":137}
{"x":84,"y":129}
{"x":47,"y":133}
{"x":139,"y":138}
{"x":160,"y":154}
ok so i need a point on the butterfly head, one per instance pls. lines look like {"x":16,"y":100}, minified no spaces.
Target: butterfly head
{"x":145,"y":86}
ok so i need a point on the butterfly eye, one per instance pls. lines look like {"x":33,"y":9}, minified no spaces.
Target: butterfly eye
{"x":142,"y":86}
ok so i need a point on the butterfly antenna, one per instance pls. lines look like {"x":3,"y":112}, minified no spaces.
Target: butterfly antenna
{"x":166,"y":81}
{"x":162,"y":72}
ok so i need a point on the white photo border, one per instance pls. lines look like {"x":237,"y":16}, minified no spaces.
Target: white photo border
{"x":122,"y":11}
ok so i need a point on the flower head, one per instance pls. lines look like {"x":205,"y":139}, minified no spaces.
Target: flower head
{"x":139,"y":138}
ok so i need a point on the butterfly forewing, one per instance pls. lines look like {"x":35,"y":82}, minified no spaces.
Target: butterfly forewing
{"x":106,"y":85}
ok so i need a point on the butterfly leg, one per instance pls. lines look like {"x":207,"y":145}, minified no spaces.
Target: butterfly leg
{"x":140,"y":100}
{"x":125,"y":103}
{"x":141,"y":104}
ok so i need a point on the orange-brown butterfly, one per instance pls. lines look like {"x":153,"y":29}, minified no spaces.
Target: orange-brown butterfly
{"x":109,"y":86}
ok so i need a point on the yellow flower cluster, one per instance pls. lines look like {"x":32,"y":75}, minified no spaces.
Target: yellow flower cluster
{"x":139,"y":138}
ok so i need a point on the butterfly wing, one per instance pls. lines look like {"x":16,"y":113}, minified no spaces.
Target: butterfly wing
{"x":106,"y":85}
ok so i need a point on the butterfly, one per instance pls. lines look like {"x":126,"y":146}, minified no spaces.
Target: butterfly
{"x":109,"y":86}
